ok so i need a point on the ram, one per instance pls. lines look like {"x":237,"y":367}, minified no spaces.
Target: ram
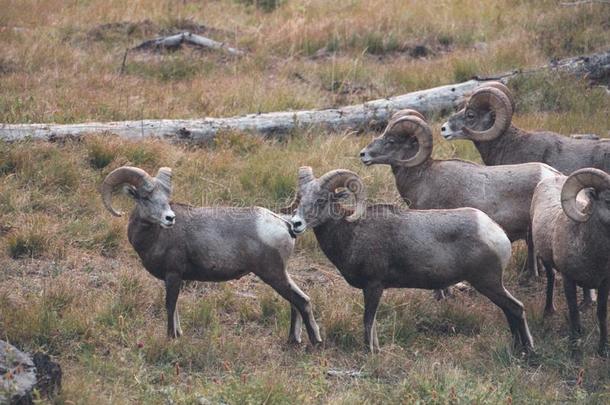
{"x":177,"y":242}
{"x":383,"y":246}
{"x":502,"y":192}
{"x":572,"y":235}
{"x":486,"y":119}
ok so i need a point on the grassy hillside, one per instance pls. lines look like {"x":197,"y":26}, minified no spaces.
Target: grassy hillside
{"x":70,"y":284}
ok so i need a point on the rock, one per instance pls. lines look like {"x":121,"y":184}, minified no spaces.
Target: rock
{"x":48,"y":374}
{"x":17,"y":375}
{"x":21,"y":373}
{"x":345,"y":373}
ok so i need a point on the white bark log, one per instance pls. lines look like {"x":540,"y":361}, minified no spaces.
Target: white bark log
{"x":174,"y":41}
{"x":438,"y":100}
{"x":353,"y":117}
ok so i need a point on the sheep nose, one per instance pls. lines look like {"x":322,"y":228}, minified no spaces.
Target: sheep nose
{"x":297,"y":224}
{"x":443,"y":128}
{"x":170,"y":218}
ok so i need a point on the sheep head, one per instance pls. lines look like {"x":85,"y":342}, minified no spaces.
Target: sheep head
{"x":487,"y":115}
{"x":152,"y":194}
{"x":319,"y":198}
{"x":597,"y":185}
{"x":406,"y":141}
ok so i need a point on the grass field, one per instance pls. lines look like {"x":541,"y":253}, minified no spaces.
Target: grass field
{"x":71,"y":285}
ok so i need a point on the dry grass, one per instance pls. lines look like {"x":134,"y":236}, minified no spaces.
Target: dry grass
{"x":71,"y":284}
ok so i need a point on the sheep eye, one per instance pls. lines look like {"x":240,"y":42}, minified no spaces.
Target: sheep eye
{"x":390,"y":141}
{"x":470,"y":115}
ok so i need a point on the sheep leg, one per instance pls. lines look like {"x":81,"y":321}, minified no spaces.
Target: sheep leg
{"x":284,"y":286}
{"x":296,"y":324}
{"x":375,"y":337}
{"x":602,"y":314}
{"x":177,"y":322}
{"x":172,"y":289}
{"x":549,"y":307}
{"x":372,"y":296}
{"x":587,"y":298}
{"x":515,"y":315}
{"x":569,"y":287}
{"x":531,"y":265}
{"x":445,"y":293}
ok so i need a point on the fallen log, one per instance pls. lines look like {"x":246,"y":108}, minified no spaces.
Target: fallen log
{"x":370,"y":115}
{"x":175,"y":41}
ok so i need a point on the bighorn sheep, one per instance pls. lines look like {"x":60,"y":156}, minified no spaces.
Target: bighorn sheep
{"x":383,"y":246}
{"x":502,"y":192}
{"x":486,"y":120}
{"x":573,"y":237}
{"x":177,"y":242}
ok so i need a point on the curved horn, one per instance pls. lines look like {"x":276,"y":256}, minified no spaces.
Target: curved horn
{"x":123,"y":175}
{"x":305,"y":176}
{"x":403,"y":113}
{"x":164,"y":179}
{"x":502,"y":87}
{"x":350,"y":180}
{"x":501,"y":105}
{"x":578,"y":180}
{"x":411,"y":125}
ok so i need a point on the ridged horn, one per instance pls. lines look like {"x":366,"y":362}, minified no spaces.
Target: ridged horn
{"x":350,"y":180}
{"x":583,"y":178}
{"x":502,"y":87}
{"x":124,"y":175}
{"x":412,"y":125}
{"x":403,"y":113}
{"x":304,"y":177}
{"x":498,"y":101}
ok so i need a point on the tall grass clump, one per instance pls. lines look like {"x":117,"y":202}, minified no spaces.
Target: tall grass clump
{"x":33,"y":239}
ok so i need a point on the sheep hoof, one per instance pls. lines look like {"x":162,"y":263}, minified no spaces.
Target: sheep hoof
{"x":585,"y":305}
{"x":549,"y":312}
{"x":293,"y":340}
{"x":314,"y":346}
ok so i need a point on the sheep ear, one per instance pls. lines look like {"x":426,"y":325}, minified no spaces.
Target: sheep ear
{"x":130,"y":191}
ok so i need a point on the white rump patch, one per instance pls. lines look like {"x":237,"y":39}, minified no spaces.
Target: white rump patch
{"x":271,"y":229}
{"x":492,"y":234}
{"x":547,"y":172}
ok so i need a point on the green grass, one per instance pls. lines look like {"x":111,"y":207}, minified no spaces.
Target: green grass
{"x":72,"y":285}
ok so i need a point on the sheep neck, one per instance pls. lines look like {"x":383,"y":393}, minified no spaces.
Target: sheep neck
{"x":505,"y":149}
{"x":409,"y":179}
{"x":334,"y":237}
{"x":141,"y":233}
